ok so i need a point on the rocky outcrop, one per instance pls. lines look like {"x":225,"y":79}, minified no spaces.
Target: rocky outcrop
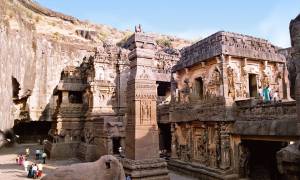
{"x":47,"y":12}
{"x":288,"y":158}
{"x":35,"y":45}
{"x":106,"y":168}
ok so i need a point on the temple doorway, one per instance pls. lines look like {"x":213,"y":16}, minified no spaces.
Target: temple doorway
{"x":199,"y":87}
{"x":252,"y":85}
{"x":262,"y":159}
{"x":165,"y":139}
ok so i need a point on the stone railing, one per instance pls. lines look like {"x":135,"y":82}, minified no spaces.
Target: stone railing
{"x":212,"y":109}
{"x":253,"y":110}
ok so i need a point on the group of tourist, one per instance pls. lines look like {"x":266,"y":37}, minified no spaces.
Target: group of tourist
{"x":268,"y":95}
{"x":35,"y":169}
{"x":40,"y":155}
{"x":21,"y":159}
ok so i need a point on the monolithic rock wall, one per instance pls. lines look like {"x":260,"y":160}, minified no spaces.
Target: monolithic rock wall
{"x":35,"y":60}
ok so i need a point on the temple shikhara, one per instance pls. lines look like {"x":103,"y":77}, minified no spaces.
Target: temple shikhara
{"x":225,"y":107}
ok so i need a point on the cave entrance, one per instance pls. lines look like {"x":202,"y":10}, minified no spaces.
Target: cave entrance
{"x":262,"y":159}
{"x":32,"y":131}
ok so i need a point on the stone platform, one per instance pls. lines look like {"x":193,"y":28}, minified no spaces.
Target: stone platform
{"x":200,"y":172}
{"x":152,"y":169}
{"x":61,"y":150}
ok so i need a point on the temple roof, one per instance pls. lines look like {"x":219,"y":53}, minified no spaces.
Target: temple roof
{"x":228,"y":43}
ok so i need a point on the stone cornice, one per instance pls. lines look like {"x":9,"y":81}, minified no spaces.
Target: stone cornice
{"x":228,"y":43}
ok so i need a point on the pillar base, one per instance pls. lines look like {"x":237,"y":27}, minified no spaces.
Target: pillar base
{"x":150,"y":169}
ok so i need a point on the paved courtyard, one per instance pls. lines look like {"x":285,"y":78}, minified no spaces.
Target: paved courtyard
{"x":11,"y":171}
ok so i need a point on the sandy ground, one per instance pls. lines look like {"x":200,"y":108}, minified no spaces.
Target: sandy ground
{"x":9,"y":170}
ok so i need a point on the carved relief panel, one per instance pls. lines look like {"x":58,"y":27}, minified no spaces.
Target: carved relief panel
{"x":200,"y":142}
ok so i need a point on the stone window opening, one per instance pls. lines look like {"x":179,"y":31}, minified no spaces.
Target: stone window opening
{"x":163,"y":92}
{"x":199,"y":87}
{"x":252,"y":85}
{"x":75,"y":97}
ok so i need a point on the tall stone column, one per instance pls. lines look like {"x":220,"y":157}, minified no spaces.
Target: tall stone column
{"x":142,"y":142}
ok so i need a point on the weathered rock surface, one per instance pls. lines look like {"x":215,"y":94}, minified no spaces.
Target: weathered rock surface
{"x":288,"y":158}
{"x":36,"y":44}
{"x":106,"y":168}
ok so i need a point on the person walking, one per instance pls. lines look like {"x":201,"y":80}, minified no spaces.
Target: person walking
{"x":27,"y":151}
{"x":37,"y":154}
{"x":17,"y":159}
{"x":30,"y":173}
{"x":44,"y":156}
{"x":26,"y":163}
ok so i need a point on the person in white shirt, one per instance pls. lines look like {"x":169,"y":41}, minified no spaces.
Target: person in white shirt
{"x":26,"y":163}
{"x":44,"y":156}
{"x":34,"y":170}
{"x":37,"y":154}
{"x":275,"y":96}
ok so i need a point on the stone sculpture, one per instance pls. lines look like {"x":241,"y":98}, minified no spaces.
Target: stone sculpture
{"x":106,"y":168}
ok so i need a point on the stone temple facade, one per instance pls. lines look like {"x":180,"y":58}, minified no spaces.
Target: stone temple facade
{"x":109,"y":101}
{"x":220,"y":127}
{"x":199,"y":107}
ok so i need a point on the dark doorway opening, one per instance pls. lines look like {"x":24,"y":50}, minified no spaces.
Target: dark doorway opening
{"x":199,"y":87}
{"x":163,"y":91}
{"x":75,"y":97}
{"x":165,"y":138}
{"x":163,"y":88}
{"x":252,"y":85}
{"x":262,"y":159}
{"x":116,"y":141}
{"x":32,"y":131}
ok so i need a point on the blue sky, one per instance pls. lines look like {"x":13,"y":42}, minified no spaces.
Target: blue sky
{"x":191,"y":19}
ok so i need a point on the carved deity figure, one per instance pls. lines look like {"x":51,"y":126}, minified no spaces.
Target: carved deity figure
{"x":231,"y":83}
{"x":244,"y":157}
{"x":146,"y":110}
{"x":88,"y":135}
{"x":225,"y":147}
{"x":186,"y":91}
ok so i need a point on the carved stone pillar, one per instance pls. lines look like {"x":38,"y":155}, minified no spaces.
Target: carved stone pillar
{"x":225,"y":77}
{"x":142,"y":141}
{"x":174,"y":142}
{"x":225,"y":147}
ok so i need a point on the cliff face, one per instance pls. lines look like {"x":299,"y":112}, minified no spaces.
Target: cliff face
{"x":35,"y":59}
{"x":35,"y":45}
